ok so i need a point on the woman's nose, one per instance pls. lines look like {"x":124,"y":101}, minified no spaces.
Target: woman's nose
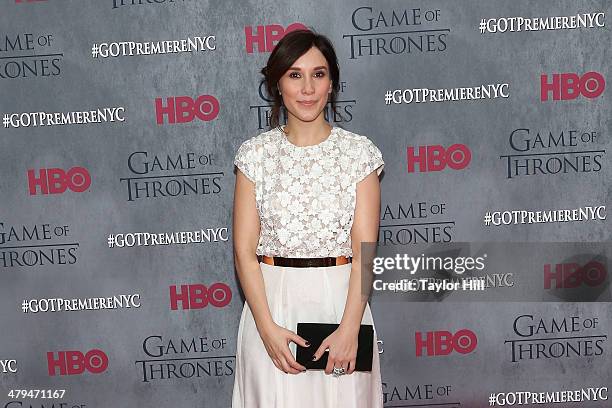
{"x":308,"y":86}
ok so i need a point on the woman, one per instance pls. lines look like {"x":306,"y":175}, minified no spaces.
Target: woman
{"x":307,"y":194}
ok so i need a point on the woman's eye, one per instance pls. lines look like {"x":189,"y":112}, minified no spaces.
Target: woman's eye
{"x":319,"y":74}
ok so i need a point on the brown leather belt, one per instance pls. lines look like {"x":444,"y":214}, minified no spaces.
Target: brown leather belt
{"x":304,"y":262}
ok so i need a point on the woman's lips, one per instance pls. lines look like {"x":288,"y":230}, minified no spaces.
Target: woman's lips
{"x":306,"y":103}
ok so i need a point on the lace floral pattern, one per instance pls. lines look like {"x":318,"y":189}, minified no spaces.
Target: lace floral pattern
{"x":306,"y":195}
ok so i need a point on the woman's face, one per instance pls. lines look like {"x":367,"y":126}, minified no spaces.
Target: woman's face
{"x":306,"y":85}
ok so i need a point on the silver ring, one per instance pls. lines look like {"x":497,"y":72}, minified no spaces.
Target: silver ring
{"x":337,"y":372}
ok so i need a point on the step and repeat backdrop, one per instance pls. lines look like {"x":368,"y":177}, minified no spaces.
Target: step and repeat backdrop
{"x":121,"y":119}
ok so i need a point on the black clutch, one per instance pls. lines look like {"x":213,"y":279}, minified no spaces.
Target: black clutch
{"x":315,"y":333}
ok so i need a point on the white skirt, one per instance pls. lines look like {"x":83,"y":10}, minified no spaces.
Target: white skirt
{"x":301,"y":295}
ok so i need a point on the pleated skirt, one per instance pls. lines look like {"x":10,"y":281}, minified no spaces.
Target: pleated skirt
{"x":301,"y":295}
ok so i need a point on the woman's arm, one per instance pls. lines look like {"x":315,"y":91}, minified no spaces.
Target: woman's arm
{"x":246,"y":236}
{"x":246,"y":229}
{"x":343,"y":342}
{"x":365,"y":228}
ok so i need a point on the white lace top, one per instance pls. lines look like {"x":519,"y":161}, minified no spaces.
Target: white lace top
{"x":305,"y":195}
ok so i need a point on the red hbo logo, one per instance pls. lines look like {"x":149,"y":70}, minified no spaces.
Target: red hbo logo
{"x":572,"y":275}
{"x":570,"y":86}
{"x":74,"y":362}
{"x":56,"y":180}
{"x":268,"y":36}
{"x":436,"y":158}
{"x":182,"y":109}
{"x":442,"y":343}
{"x":199,"y":296}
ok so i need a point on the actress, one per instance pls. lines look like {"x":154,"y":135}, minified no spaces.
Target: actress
{"x":307,"y":194}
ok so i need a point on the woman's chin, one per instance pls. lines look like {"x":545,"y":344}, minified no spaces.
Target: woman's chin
{"x":306,"y":116}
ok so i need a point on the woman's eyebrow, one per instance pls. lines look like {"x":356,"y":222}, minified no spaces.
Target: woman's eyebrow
{"x":299,"y":69}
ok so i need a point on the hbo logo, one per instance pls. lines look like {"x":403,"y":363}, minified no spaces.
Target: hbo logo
{"x":442,"y":343}
{"x":74,"y":362}
{"x":56,"y":180}
{"x":569,"y":86}
{"x":182,"y":109}
{"x":437,"y":158}
{"x":198,"y":296}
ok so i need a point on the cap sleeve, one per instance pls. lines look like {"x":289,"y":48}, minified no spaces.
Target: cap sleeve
{"x":370,"y":159}
{"x":245,"y":159}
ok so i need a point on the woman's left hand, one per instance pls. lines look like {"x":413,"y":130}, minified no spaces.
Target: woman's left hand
{"x":342,"y":344}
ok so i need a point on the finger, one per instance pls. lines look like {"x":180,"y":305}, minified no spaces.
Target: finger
{"x":352,"y":366}
{"x":293,"y":363}
{"x":291,"y":359}
{"x":277,"y":364}
{"x":320,"y":351}
{"x":330,"y":364}
{"x":284,"y":366}
{"x":345,"y":365}
{"x":300,"y":340}
{"x":287,"y":368}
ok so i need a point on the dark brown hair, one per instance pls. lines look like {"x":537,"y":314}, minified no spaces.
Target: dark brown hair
{"x":291,"y":47}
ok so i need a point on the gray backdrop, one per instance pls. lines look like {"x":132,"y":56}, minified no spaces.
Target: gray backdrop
{"x":46,"y":65}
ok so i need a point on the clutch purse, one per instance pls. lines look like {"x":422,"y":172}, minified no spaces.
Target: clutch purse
{"x":315,"y":333}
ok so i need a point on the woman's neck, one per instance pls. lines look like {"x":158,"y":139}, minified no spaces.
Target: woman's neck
{"x":302,"y":133}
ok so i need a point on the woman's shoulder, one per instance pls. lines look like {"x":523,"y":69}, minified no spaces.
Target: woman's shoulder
{"x":258,"y":140}
{"x":354,"y":139}
{"x":362,"y":151}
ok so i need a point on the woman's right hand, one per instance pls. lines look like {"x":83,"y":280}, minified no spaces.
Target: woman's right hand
{"x":276,"y":340}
